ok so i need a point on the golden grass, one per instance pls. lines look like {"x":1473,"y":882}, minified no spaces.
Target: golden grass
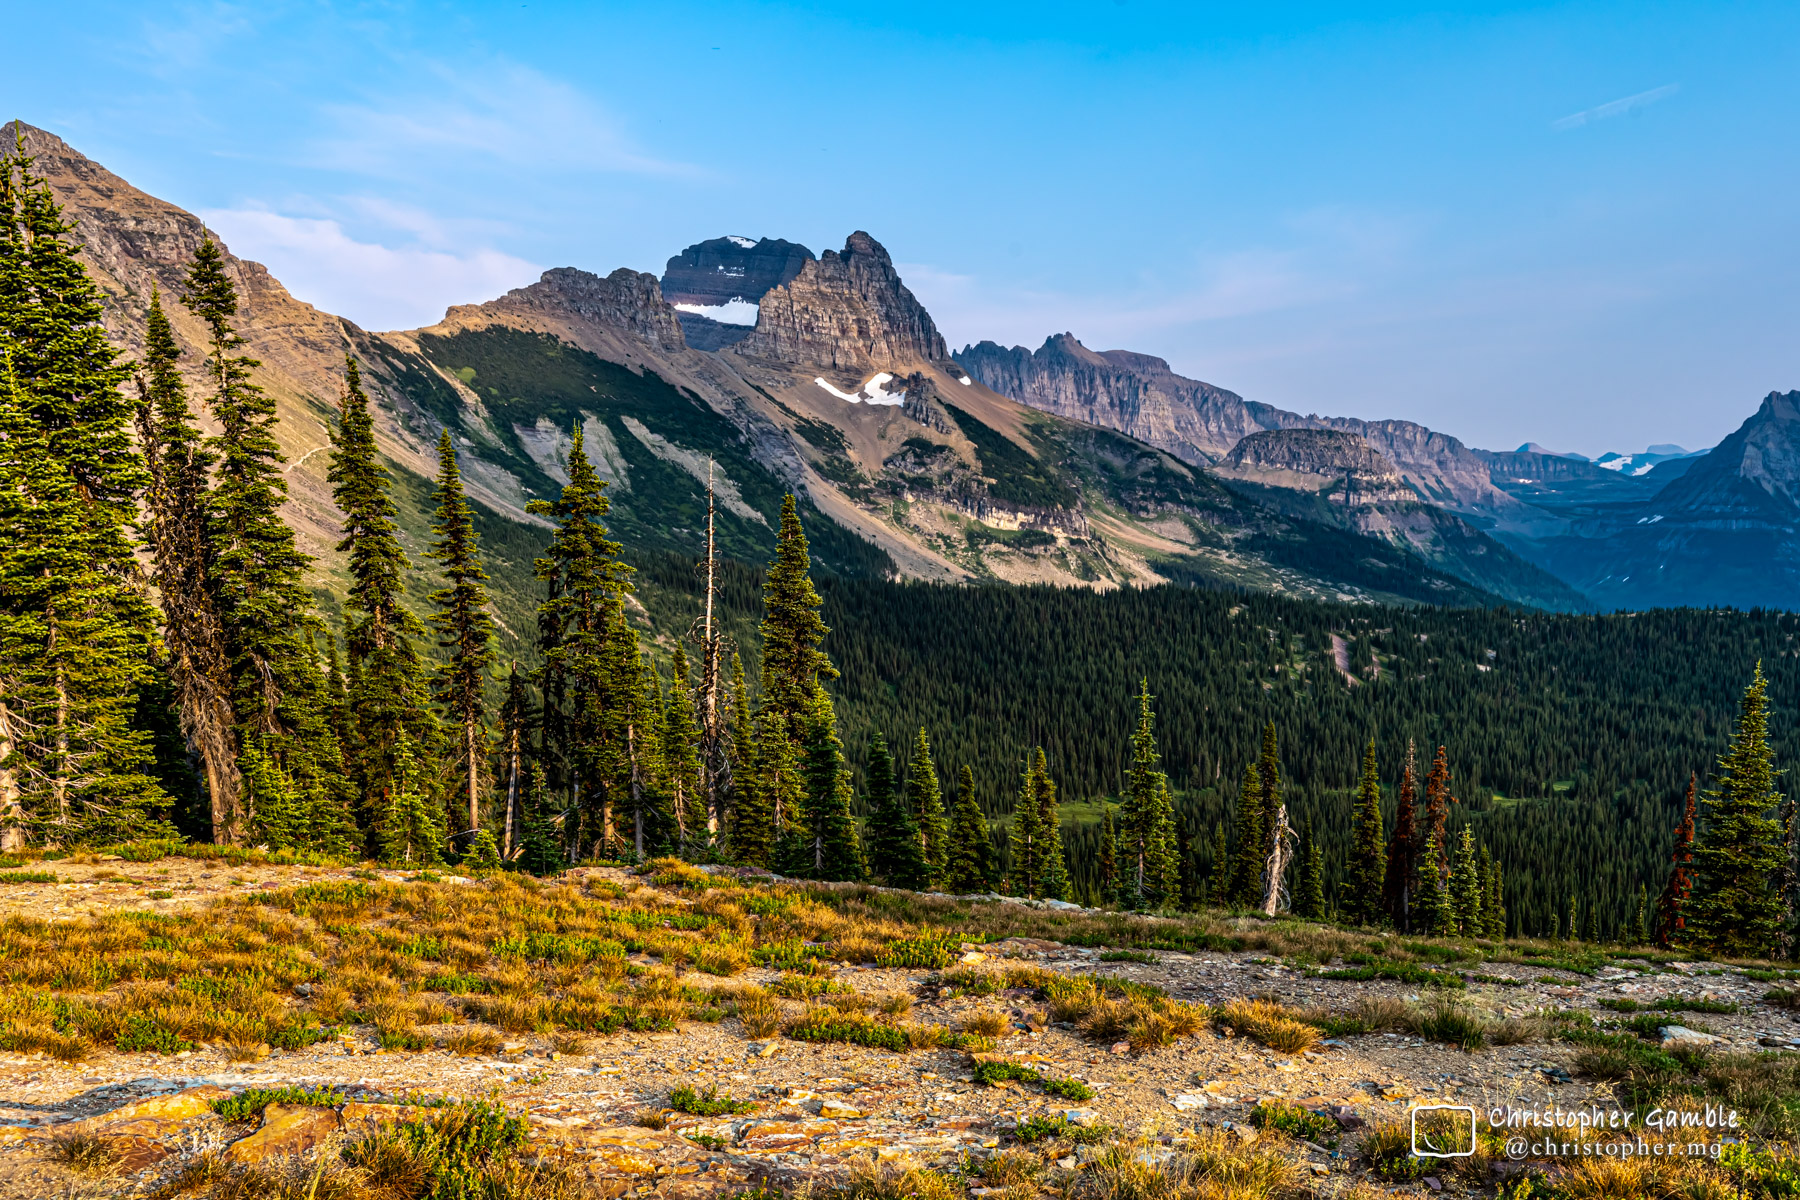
{"x":1273,"y":1025}
{"x":86,"y":1154}
{"x":987,"y":1023}
{"x":1211,"y":1166}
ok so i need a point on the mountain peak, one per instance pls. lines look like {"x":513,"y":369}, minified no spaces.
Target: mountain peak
{"x":845,"y":310}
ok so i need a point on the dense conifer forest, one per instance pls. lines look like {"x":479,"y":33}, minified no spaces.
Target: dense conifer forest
{"x":165,"y":669}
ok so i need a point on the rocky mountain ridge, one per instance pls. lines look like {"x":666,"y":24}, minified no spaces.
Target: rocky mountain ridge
{"x":846,"y":311}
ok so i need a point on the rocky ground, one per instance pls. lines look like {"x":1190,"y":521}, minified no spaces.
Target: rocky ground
{"x":817,"y":1107}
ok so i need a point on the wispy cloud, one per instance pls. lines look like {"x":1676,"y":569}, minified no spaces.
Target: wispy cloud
{"x":378,"y":287}
{"x":1615,"y":108}
{"x":505,"y":113}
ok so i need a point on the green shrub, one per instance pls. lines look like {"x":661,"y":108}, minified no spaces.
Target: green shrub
{"x":829,"y":1025}
{"x":708,"y":1103}
{"x":27,"y":877}
{"x":247,"y":1104}
{"x":1294,"y":1121}
{"x":997,"y":1071}
{"x":1135,"y":956}
{"x":1068,"y":1089}
{"x":145,"y":1034}
{"x":933,"y":949}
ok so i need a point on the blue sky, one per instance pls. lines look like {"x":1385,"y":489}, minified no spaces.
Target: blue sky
{"x":1569,"y":223}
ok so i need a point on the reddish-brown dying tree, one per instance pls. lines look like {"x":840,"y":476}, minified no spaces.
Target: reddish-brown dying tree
{"x":1670,"y":906}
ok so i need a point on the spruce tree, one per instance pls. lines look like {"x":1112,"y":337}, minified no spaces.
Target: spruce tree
{"x":1465,"y":886}
{"x":75,"y":633}
{"x":1672,"y":904}
{"x":1368,"y":868}
{"x":1151,"y":871}
{"x":792,"y":667}
{"x":1640,"y":918}
{"x":1437,"y":815}
{"x":64,"y":653}
{"x":279,"y":695}
{"x":1737,"y":908}
{"x":1573,"y":925}
{"x":740,"y":739}
{"x":751,"y":833}
{"x":178,"y":526}
{"x":1218,"y":892}
{"x":391,"y":697}
{"x":1402,"y":881}
{"x":1108,"y":892}
{"x":540,"y":846}
{"x":926,"y":800}
{"x":1493,"y":907}
{"x":1310,"y":902}
{"x":895,"y":855}
{"x":1247,"y":868}
{"x":584,"y":582}
{"x":791,"y":627}
{"x":836,"y":854}
{"x":1054,"y":871}
{"x":409,"y":828}
{"x":1435,"y":913}
{"x":465,"y":629}
{"x":970,"y":868}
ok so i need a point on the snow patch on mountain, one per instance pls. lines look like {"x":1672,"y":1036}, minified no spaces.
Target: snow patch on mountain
{"x":737,"y":311}
{"x":873,"y":392}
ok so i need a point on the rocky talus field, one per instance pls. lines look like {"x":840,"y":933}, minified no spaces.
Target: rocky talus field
{"x":235,"y":1027}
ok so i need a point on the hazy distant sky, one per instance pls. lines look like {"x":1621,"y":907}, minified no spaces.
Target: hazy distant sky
{"x":1569,"y":223}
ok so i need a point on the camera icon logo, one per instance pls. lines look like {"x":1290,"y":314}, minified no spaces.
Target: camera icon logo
{"x":1446,"y":1130}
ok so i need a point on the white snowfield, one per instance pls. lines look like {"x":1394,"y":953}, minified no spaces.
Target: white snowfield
{"x":746,"y":243}
{"x":873,"y":392}
{"x":736,"y":311}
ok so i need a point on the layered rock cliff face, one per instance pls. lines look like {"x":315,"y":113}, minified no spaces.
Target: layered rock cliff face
{"x":626,"y":299}
{"x":846,"y":312}
{"x":1752,"y":476}
{"x":1136,"y":394}
{"x":1343,"y":465}
{"x":720,"y":270}
{"x":1437,"y":466}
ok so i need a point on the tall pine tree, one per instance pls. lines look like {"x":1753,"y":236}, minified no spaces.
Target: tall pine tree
{"x":279,"y":694}
{"x":1368,"y":866}
{"x":1737,"y":908}
{"x":75,"y":634}
{"x":1151,"y":876}
{"x":926,"y":800}
{"x":178,"y":525}
{"x":1247,"y":868}
{"x":391,"y":696}
{"x":895,"y":855}
{"x":971,"y":865}
{"x":1309,"y":902}
{"x":1402,"y":882}
{"x":836,"y":853}
{"x":584,"y":583}
{"x":465,"y":630}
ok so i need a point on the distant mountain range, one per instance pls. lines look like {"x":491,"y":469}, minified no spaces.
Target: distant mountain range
{"x":824,"y":375}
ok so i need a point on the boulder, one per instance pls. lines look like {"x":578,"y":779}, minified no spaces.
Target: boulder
{"x":286,"y":1129}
